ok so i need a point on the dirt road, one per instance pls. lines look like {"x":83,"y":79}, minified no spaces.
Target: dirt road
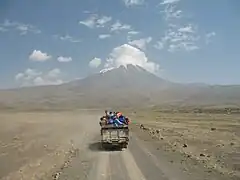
{"x":66,"y":146}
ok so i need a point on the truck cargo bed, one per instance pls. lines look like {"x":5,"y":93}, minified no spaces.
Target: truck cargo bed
{"x":115,"y":136}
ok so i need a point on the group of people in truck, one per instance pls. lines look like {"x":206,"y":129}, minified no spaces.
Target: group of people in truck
{"x":115,"y":118}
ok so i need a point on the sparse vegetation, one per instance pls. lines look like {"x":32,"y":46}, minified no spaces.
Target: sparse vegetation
{"x":201,"y":123}
{"x":210,"y":138}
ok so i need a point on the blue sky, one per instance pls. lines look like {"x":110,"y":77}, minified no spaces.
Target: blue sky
{"x":50,"y":42}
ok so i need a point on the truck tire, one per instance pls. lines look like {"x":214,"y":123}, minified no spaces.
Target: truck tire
{"x":124,"y":145}
{"x":103,"y":146}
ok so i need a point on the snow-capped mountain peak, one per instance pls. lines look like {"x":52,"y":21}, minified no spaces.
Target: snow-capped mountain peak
{"x":127,"y":67}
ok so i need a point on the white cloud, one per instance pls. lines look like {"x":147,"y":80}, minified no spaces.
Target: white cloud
{"x":19,"y":76}
{"x":37,"y":55}
{"x":21,"y":27}
{"x":32,"y":72}
{"x":32,"y":77}
{"x":127,"y":54}
{"x":171,"y":12}
{"x":182,"y":46}
{"x":54,"y":73}
{"x":141,"y":43}
{"x":133,"y":2}
{"x":179,"y":39}
{"x":8,"y":23}
{"x":26,"y":77}
{"x":90,"y":21}
{"x":104,"y":36}
{"x":133,"y":32}
{"x":86,"y":12}
{"x":103,"y":20}
{"x":186,"y":29}
{"x":64,"y":59}
{"x":169,"y":2}
{"x":39,"y":81}
{"x":179,"y":35}
{"x":159,"y":45}
{"x":209,"y":36}
{"x":24,"y":29}
{"x":2,"y":29}
{"x":67,"y":38}
{"x":95,"y":20}
{"x":118,"y":26}
{"x":95,"y":62}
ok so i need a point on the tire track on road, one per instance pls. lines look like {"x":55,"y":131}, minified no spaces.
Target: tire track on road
{"x":146,"y":164}
{"x":132,"y":168}
{"x":154,"y":165}
{"x":100,"y":167}
{"x":117,"y":168}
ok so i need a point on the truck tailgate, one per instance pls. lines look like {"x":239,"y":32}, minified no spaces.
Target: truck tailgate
{"x":117,"y":135}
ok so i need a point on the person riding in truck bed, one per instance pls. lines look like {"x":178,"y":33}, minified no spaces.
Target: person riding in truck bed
{"x":117,"y":119}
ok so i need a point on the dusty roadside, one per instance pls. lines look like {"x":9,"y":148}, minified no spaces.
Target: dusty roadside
{"x":209,"y":142}
{"x":65,"y":145}
{"x":34,"y":144}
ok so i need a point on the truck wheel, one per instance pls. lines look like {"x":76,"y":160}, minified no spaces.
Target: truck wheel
{"x":103,"y":146}
{"x":124,"y":145}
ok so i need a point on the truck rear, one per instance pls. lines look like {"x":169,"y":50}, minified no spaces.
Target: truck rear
{"x":115,"y":136}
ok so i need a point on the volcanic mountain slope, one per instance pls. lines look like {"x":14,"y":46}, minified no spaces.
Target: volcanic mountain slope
{"x":125,"y":86}
{"x":123,"y":78}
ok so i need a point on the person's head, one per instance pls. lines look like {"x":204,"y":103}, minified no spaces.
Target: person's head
{"x":119,"y":114}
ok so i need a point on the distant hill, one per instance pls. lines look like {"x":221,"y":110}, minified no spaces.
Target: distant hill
{"x":130,"y":86}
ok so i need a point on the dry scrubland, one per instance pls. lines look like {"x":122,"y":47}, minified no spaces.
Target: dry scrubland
{"x":33,"y":143}
{"x":210,"y":139}
{"x":36,"y":144}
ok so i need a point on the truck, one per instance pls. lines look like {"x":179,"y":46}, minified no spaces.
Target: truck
{"x":112,"y":136}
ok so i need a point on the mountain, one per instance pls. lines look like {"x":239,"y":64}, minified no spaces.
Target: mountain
{"x":126,"y":86}
{"x":129,"y":77}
